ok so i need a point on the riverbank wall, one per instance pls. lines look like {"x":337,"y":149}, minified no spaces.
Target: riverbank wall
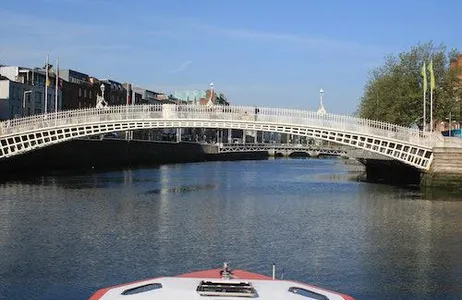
{"x":93,"y":154}
{"x":446,"y":170}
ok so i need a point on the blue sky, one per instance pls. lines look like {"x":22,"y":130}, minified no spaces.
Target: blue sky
{"x":258,"y":52}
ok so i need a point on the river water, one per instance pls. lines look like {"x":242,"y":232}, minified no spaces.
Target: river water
{"x":64,"y":236}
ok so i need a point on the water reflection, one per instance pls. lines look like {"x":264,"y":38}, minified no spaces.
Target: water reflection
{"x":182,"y":189}
{"x":70,"y":235}
{"x":408,"y":234}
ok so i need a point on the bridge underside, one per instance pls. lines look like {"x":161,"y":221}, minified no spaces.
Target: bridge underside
{"x":390,"y":171}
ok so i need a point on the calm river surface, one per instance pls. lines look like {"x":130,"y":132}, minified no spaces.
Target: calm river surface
{"x":64,"y":237}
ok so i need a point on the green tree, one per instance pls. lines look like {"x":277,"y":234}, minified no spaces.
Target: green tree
{"x":394,"y":91}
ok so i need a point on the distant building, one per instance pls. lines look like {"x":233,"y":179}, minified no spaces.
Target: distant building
{"x":137,"y":97}
{"x":213,"y":98}
{"x":134,"y":95}
{"x":455,"y":122}
{"x":114,"y":92}
{"x":192,"y":97}
{"x":22,"y":92}
{"x":457,"y":63}
{"x":12,"y":99}
{"x":203,"y":97}
{"x":79,"y":89}
{"x":152,"y":97}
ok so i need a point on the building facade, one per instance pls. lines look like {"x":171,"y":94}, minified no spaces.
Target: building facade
{"x":202,"y":97}
{"x":79,"y":89}
{"x":457,"y":63}
{"x":22,"y":92}
{"x":114,"y":92}
{"x":151,"y":97}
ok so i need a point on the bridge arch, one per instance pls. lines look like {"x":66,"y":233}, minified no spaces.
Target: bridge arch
{"x":410,"y":146}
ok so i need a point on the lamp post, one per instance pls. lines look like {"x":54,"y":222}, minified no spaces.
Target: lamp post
{"x":212,"y":94}
{"x":102,"y":89}
{"x":24,"y":102}
{"x":321,"y":93}
{"x":449,"y":120}
{"x":321,"y":109}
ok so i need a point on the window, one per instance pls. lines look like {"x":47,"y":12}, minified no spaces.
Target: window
{"x":38,"y":98}
{"x":89,"y":94}
{"x":85,"y":93}
{"x":306,"y":293}
{"x":28,"y":97}
{"x":142,"y":288}
{"x":80,"y":92}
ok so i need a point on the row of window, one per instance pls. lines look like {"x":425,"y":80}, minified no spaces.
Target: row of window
{"x":26,"y":107}
{"x":78,"y":81}
{"x":90,"y":93}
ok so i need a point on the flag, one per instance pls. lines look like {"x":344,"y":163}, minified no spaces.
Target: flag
{"x":432,"y":76}
{"x":47,"y":83}
{"x":57,"y":85}
{"x":47,"y":70}
{"x":58,"y":80}
{"x":424,"y":76}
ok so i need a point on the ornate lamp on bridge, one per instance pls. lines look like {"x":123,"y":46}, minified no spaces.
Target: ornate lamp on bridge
{"x":100,"y":102}
{"x":321,"y":109}
{"x":211,"y":96}
{"x":102,"y":89}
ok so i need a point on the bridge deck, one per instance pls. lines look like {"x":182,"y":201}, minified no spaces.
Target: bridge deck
{"x":410,"y":146}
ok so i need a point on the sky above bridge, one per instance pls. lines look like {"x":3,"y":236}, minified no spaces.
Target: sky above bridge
{"x":260,"y":52}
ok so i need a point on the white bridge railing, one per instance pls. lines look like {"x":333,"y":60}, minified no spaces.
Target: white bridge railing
{"x":407,"y":145}
{"x":276,"y":116}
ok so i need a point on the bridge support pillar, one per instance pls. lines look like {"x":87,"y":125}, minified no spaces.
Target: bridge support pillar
{"x":446,"y":169}
{"x":313,"y":154}
{"x":230,"y":136}
{"x":178,"y":135}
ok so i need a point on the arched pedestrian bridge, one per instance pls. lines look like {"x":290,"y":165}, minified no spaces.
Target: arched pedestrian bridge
{"x":410,"y":146}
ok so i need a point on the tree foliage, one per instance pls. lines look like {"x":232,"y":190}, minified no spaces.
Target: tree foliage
{"x":394,"y":91}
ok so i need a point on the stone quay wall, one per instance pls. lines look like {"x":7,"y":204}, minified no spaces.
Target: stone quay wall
{"x":446,"y":169}
{"x":95,"y":154}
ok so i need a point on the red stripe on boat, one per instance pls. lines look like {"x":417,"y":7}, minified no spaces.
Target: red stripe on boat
{"x":99,"y":294}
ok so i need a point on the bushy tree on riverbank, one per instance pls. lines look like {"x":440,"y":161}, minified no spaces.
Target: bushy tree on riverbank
{"x":394,"y":91}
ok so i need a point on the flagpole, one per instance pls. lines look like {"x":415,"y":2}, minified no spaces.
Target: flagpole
{"x":424,"y":115}
{"x":46,"y":83}
{"x":432,"y":87}
{"x":57,"y":88}
{"x":424,"y":86}
{"x":431,"y":110}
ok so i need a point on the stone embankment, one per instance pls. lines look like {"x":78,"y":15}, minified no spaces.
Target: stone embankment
{"x":93,"y":154}
{"x":446,"y":169}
